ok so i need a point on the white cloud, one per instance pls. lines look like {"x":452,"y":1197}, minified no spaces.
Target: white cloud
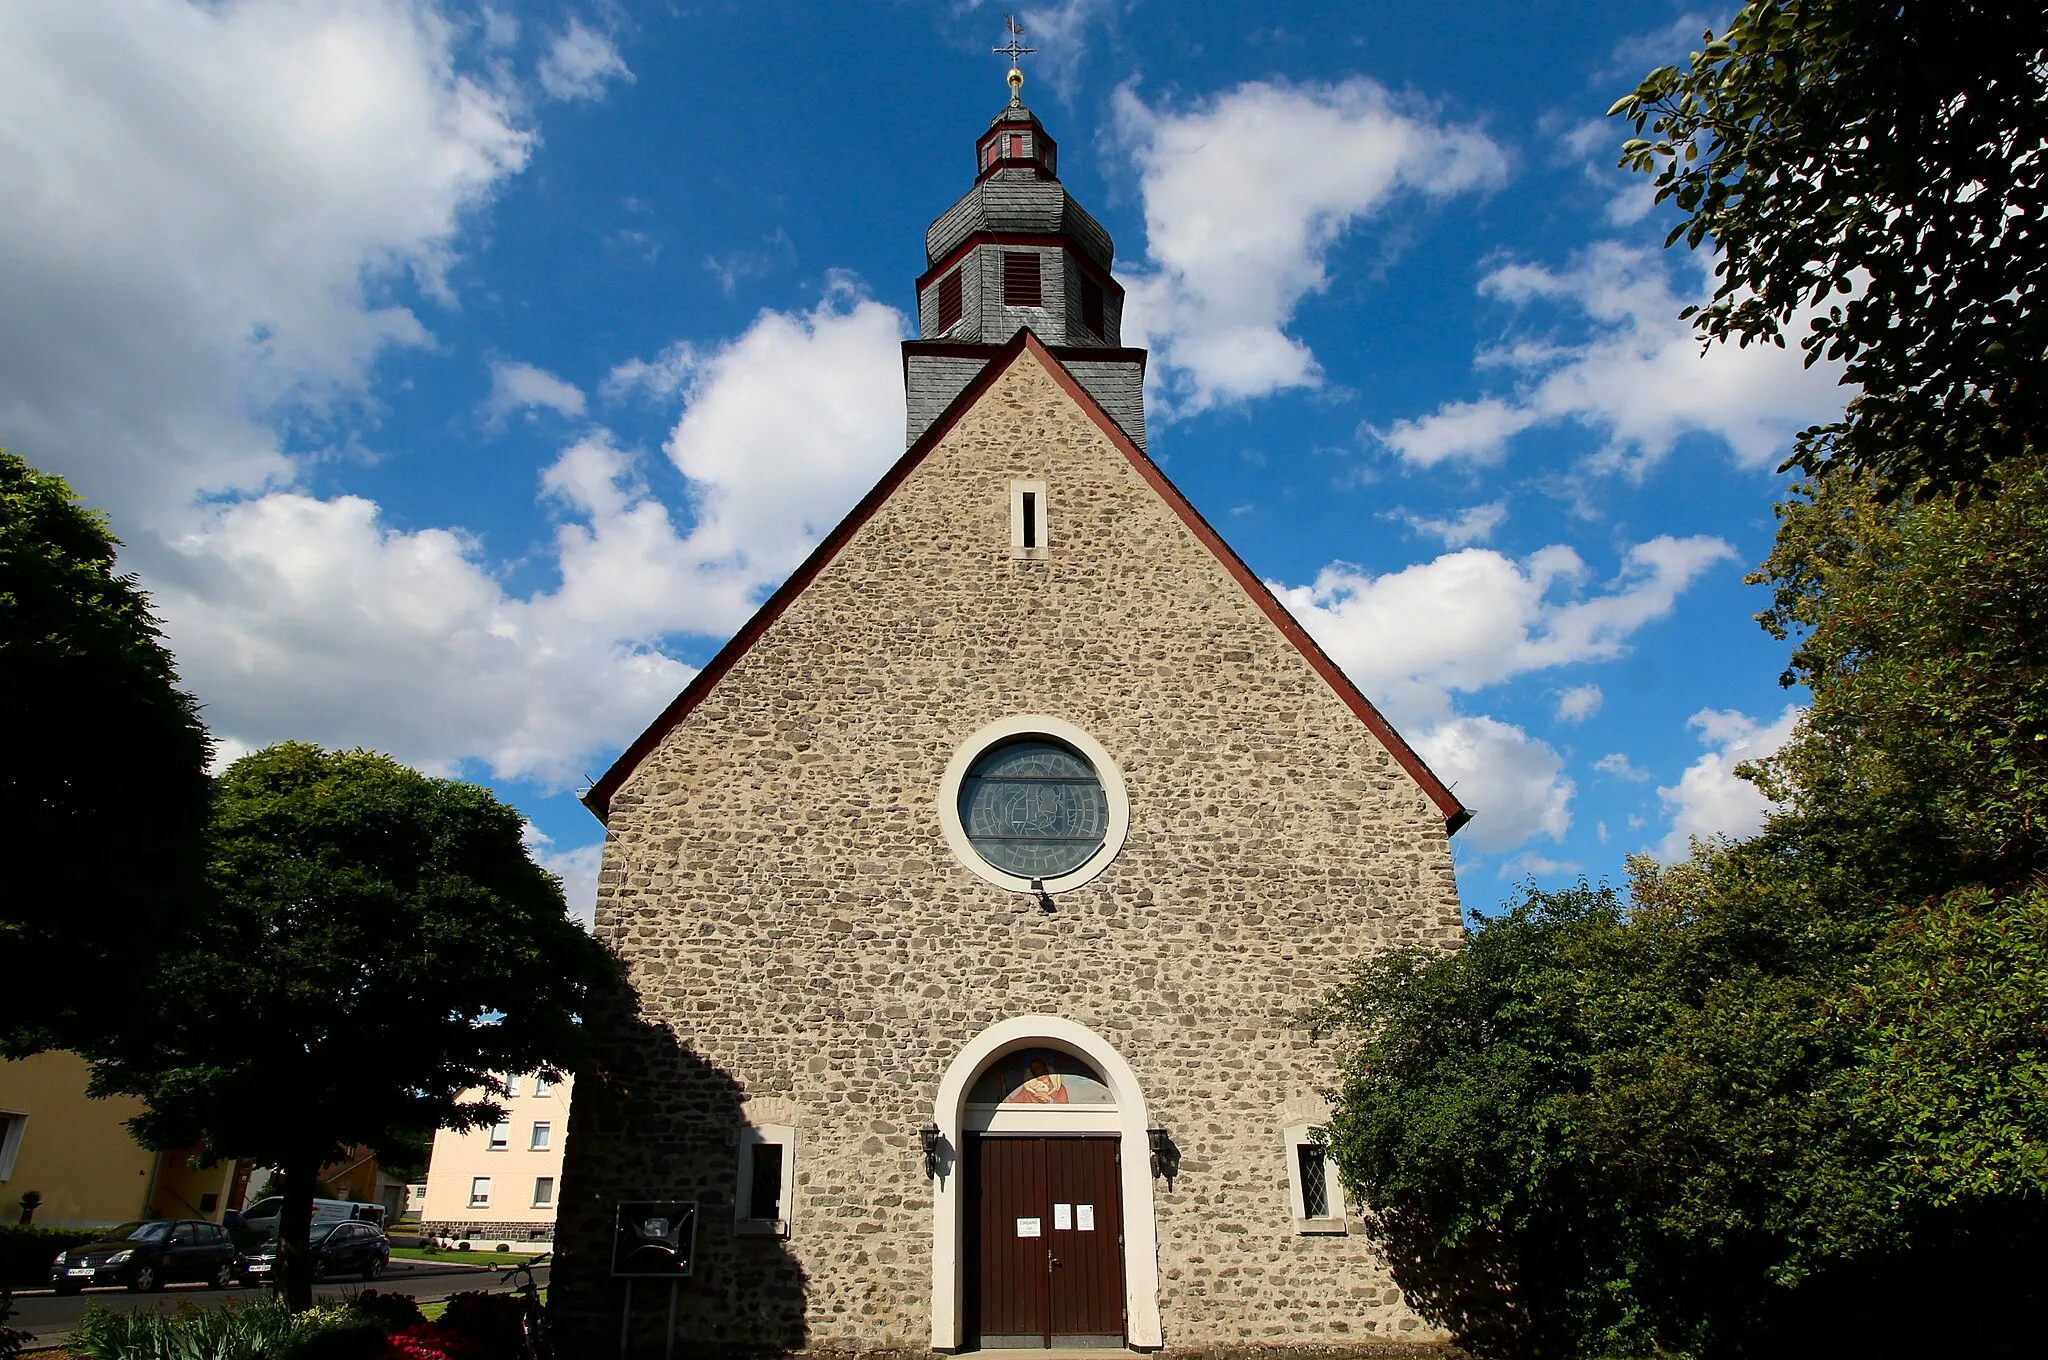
{"x":576,"y":867}
{"x":1529,"y":864}
{"x":1514,"y":783}
{"x":1472,"y":525}
{"x":1710,"y":799}
{"x":1060,"y":33}
{"x":295,"y":616}
{"x":1579,"y":703}
{"x":308,"y":618}
{"x":521,"y":386}
{"x":1620,"y":766}
{"x":1639,"y":379}
{"x":1244,"y":196}
{"x":1476,"y":618}
{"x":206,"y":203}
{"x":578,"y":62}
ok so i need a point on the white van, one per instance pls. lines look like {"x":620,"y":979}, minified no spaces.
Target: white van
{"x":260,"y":1218}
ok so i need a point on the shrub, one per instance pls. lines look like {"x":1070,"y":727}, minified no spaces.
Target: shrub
{"x":26,"y":1251}
{"x":491,"y":1321}
{"x":504,"y":1246}
{"x":13,"y":1341}
{"x":234,"y":1331}
{"x":394,"y":1312}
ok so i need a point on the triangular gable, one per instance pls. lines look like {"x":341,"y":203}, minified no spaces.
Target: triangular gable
{"x":598,"y":797}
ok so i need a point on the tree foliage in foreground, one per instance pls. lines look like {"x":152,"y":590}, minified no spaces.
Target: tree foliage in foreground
{"x":380,"y":943}
{"x":1747,"y":1107}
{"x":104,"y":783}
{"x":1880,"y":169}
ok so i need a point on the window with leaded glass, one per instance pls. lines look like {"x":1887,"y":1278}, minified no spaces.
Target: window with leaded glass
{"x":1034,"y":808}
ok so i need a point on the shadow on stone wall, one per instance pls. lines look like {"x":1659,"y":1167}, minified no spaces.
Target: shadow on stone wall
{"x":653,"y":1121}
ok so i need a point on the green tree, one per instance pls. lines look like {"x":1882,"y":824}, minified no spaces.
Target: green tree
{"x":1744,"y":1108}
{"x":1881,"y":165}
{"x":381,"y":943}
{"x":104,"y":784}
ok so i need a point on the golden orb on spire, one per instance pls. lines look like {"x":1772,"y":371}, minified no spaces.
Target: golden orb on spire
{"x":1016,"y":88}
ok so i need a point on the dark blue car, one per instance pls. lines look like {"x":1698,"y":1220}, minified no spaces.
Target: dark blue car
{"x":148,"y":1255}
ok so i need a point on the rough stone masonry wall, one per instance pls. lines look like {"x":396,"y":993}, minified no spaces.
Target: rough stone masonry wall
{"x":806,"y":950}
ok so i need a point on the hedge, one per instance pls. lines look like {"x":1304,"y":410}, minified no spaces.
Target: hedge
{"x":26,"y":1253}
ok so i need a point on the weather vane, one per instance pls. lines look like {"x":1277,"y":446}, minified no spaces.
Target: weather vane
{"x":1013,"y":50}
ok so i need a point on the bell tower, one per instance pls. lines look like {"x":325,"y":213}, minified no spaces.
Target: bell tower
{"x":1017,"y":251}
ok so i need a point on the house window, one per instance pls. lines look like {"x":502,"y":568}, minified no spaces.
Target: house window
{"x":1021,"y":281}
{"x":511,"y":1086}
{"x":1016,"y":146}
{"x":543,"y":1192}
{"x":949,"y":301}
{"x":542,"y":1086}
{"x":479,"y":1191}
{"x":767,"y":1180}
{"x":501,"y":1137}
{"x":1312,"y":1184}
{"x":12,"y":1125}
{"x":1027,"y":520}
{"x":1091,"y":306}
{"x":542,"y":1132}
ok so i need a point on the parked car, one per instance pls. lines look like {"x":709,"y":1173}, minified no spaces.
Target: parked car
{"x":338,"y":1249}
{"x":149,"y":1255}
{"x":260,"y":1218}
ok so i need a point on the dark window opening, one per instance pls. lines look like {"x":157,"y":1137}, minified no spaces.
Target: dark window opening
{"x":764,"y":1182}
{"x":1021,"y":285}
{"x":1030,"y":519}
{"x":1315,"y":1193}
{"x":208,"y":1203}
{"x":1091,"y":306}
{"x":949,"y":301}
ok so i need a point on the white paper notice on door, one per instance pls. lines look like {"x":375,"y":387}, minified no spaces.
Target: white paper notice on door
{"x":1030,"y":1227}
{"x":1084,"y":1217}
{"x":1062,"y":1217}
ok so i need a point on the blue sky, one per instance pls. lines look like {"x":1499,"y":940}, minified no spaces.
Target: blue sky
{"x":460,"y":375}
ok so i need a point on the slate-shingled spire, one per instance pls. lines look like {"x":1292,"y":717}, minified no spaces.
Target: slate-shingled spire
{"x":1017,"y":251}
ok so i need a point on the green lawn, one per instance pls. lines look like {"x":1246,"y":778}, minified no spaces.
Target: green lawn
{"x":464,"y":1258}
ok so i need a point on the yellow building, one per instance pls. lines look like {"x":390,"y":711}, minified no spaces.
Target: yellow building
{"x":501,"y":1183}
{"x":78,"y":1155}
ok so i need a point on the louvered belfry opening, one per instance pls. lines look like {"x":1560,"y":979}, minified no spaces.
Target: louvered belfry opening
{"x":1091,"y":306}
{"x":1023,"y":284}
{"x":949,"y":301}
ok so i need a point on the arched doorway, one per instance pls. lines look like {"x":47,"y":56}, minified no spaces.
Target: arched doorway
{"x":1045,"y":1128}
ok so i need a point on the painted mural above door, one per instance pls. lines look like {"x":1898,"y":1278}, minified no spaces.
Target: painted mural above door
{"x":1040,"y":1076}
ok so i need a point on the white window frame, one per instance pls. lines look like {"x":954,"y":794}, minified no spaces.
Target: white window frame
{"x":479,"y":1199}
{"x":10,"y":1139}
{"x":542,"y":1087}
{"x":1040,"y":520}
{"x":751,"y":1137}
{"x":499,"y":1139}
{"x":1298,"y":1136}
{"x":542,"y":1137}
{"x":538,"y":1202}
{"x":512,"y":1086}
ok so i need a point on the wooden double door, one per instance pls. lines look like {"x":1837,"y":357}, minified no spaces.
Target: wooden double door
{"x":1046,"y":1232}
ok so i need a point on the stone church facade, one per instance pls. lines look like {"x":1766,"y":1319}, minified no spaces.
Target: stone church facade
{"x":966,"y":898}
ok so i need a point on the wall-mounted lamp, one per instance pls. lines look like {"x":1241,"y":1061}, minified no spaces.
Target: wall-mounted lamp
{"x":1044,"y":897}
{"x":934,"y":1149}
{"x":1165,"y":1156}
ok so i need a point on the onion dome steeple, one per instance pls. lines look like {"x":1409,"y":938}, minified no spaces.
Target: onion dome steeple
{"x":1017,"y":251}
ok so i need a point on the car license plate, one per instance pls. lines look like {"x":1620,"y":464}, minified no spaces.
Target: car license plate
{"x":79,"y":1270}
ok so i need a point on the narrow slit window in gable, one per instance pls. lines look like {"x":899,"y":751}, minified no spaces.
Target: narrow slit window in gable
{"x":1027,"y":520}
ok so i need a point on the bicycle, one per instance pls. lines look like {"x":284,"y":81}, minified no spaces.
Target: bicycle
{"x":535,"y":1343}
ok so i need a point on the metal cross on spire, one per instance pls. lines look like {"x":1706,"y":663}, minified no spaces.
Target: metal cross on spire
{"x":1013,"y":50}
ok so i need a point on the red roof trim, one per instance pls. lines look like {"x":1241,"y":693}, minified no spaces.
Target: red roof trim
{"x":598,"y":798}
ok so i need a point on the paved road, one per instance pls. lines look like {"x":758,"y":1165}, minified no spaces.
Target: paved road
{"x":49,"y":1318}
